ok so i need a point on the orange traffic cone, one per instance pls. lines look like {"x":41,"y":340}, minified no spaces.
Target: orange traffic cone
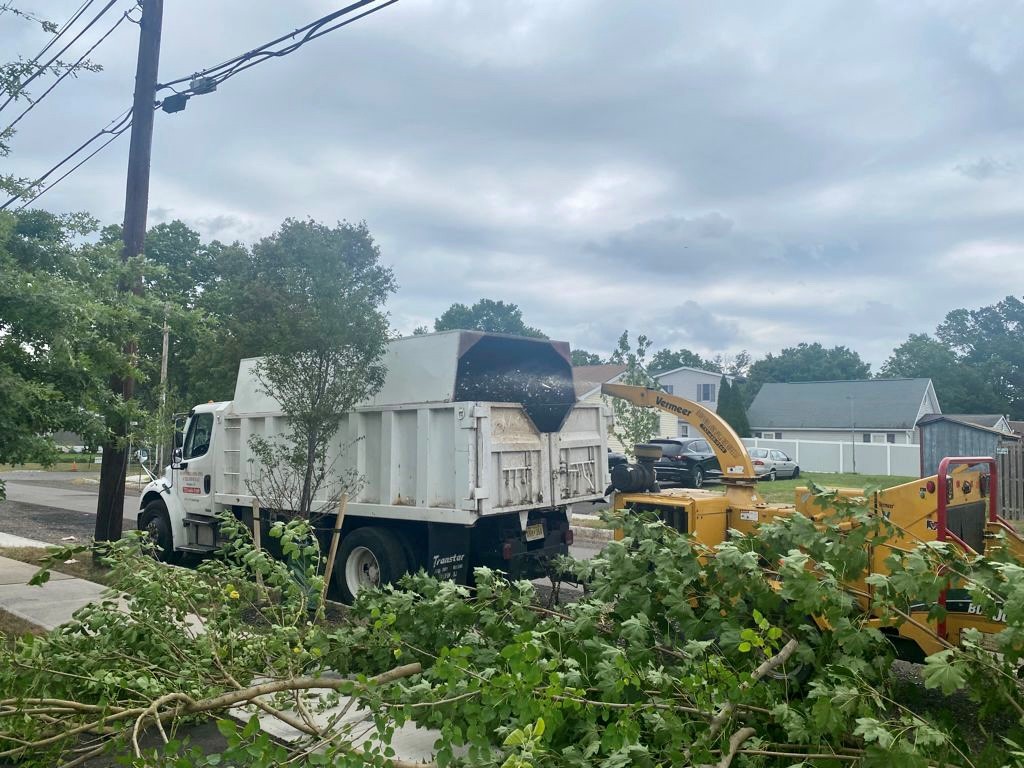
{"x":74,"y":465}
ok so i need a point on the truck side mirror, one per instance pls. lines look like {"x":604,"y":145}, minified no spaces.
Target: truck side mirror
{"x":176,"y":458}
{"x":178,"y":438}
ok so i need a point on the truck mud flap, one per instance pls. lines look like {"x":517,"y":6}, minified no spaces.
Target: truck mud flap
{"x":448,"y":552}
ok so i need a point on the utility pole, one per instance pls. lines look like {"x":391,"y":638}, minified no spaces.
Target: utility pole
{"x":110,"y":505}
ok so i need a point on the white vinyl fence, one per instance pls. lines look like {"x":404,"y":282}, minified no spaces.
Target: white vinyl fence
{"x":863,"y":458}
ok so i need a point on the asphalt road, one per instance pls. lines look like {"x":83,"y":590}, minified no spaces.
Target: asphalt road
{"x":50,"y":506}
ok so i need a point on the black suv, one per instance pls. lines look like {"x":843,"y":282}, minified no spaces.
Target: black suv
{"x":689,"y":462}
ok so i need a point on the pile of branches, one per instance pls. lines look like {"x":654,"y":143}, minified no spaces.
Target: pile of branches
{"x":758,"y":652}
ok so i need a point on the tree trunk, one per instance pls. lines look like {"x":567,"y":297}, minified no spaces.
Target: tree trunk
{"x":110,"y":515}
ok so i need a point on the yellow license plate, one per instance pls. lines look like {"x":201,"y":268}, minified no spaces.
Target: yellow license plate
{"x":535,"y":531}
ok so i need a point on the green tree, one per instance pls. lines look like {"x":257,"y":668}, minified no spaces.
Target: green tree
{"x":730,"y":408}
{"x":806,"y":362}
{"x":582,"y":357}
{"x":960,"y":386}
{"x":62,"y":326}
{"x":327,"y":334}
{"x":991,"y":341}
{"x":486,"y":315}
{"x":633,"y":423}
{"x":667,"y":360}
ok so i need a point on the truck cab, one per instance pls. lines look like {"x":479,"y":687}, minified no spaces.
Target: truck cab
{"x":178,"y":509}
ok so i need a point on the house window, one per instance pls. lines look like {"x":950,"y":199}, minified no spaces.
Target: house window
{"x":705,"y":393}
{"x":682,"y":429}
{"x":668,"y":389}
{"x":890,"y":437}
{"x":867,"y":437}
{"x":769,"y":435}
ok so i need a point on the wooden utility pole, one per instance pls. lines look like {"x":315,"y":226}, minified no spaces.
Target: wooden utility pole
{"x":110,"y":505}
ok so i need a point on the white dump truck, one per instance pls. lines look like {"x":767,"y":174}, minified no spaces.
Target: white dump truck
{"x":470,"y":455}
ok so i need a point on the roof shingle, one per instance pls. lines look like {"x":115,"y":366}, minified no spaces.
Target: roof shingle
{"x":875,"y":404}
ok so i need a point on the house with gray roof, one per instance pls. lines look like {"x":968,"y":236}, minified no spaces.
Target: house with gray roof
{"x":868,"y":411}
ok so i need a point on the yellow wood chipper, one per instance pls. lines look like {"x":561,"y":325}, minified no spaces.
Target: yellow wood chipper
{"x":957,"y":505}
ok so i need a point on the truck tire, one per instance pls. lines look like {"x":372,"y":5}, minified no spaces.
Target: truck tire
{"x":156,"y":523}
{"x":368,"y":557}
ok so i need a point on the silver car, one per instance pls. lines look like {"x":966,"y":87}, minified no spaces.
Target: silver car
{"x":771,"y":463}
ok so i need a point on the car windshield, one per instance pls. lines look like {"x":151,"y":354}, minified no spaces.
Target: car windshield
{"x":759,"y":453}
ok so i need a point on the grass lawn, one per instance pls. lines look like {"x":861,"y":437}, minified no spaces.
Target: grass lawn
{"x":83,"y":567}
{"x":61,"y":466}
{"x":783,"y":490}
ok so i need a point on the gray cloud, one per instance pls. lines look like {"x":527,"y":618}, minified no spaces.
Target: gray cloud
{"x":720,"y":176}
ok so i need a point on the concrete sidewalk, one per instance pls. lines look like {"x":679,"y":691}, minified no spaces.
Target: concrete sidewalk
{"x":50,"y":605}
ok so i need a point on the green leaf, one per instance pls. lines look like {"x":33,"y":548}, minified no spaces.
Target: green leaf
{"x":227,"y":728}
{"x":940,"y":672}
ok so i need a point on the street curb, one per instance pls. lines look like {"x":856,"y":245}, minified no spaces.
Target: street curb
{"x":585,"y":534}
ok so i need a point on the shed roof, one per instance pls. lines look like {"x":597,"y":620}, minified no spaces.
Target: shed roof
{"x":587,"y":378}
{"x":867,"y":404}
{"x":1017,"y":426}
{"x":973,"y":421}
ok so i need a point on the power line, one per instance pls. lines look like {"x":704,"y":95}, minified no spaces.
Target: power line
{"x":207,"y":80}
{"x":70,"y":70}
{"x":20,"y":87}
{"x":117,"y":126}
{"x":123,"y":122}
{"x":71,"y":170}
{"x":60,"y":32}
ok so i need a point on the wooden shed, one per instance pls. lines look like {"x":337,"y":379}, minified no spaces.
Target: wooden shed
{"x":945,"y":435}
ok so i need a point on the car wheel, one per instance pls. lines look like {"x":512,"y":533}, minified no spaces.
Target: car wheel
{"x":796,"y":472}
{"x":771,"y":476}
{"x":155,"y":522}
{"x":698,"y":478}
{"x":368,"y":557}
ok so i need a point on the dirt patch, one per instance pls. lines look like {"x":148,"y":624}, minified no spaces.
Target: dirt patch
{"x":82,"y":565}
{"x":13,"y":627}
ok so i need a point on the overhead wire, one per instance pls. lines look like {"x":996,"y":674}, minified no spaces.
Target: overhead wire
{"x":70,"y":70}
{"x":61,"y":31}
{"x":309,"y":37}
{"x":231,"y":67}
{"x":117,"y":126}
{"x":20,"y":87}
{"x":259,"y":49}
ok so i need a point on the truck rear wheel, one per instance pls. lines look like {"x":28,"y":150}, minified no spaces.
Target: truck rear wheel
{"x":368,"y":557}
{"x":155,"y":522}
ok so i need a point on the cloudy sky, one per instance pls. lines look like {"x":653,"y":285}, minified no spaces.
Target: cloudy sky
{"x":719,"y":175}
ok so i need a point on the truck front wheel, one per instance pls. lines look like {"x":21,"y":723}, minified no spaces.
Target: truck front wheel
{"x":155,"y":522}
{"x":368,"y":557}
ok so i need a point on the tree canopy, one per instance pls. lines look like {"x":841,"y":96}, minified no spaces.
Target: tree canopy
{"x":487,"y":315}
{"x":582,"y":357}
{"x":62,"y":327}
{"x":991,"y":341}
{"x":731,"y":408}
{"x":806,"y":362}
{"x":959,"y":386}
{"x":667,"y":359}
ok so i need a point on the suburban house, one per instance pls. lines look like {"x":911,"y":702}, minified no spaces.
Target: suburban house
{"x":867,"y":411}
{"x":692,"y":383}
{"x":944,"y":434}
